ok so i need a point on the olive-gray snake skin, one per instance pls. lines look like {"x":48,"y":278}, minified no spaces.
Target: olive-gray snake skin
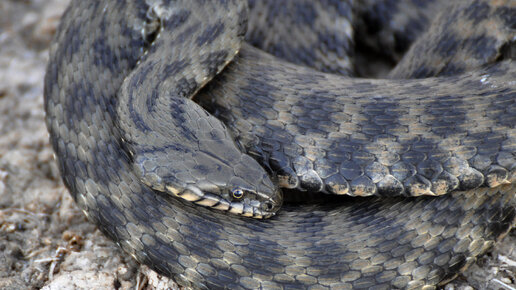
{"x":433,"y":159}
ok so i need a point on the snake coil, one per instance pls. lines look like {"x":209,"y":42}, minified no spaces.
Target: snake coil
{"x":438,"y":144}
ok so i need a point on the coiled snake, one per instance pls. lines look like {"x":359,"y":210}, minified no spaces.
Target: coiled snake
{"x":128,"y":141}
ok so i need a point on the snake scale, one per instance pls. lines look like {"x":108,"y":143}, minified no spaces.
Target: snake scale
{"x":433,"y":158}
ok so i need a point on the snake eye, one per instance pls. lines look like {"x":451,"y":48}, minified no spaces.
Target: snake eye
{"x":238,"y":193}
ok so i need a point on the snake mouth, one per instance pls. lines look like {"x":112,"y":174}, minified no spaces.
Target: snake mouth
{"x":246,"y":207}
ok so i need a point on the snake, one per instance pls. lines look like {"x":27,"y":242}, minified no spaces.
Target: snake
{"x":420,"y":171}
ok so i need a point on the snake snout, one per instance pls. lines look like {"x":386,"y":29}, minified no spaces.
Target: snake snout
{"x":271,"y":206}
{"x":273,"y":200}
{"x":256,"y":198}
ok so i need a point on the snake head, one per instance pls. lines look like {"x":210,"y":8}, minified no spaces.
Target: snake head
{"x":236,"y":184}
{"x":247,"y":190}
{"x":237,"y":196}
{"x":190,"y":154}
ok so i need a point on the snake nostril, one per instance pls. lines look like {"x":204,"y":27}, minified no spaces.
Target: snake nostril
{"x":267,"y":206}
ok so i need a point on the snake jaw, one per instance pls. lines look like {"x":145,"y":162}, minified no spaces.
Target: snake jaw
{"x":253,"y":209}
{"x":272,"y":203}
{"x":254,"y":205}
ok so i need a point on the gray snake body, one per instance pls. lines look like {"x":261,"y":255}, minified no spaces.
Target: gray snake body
{"x":383,"y":242}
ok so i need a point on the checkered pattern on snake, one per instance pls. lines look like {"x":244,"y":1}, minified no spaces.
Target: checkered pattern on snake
{"x":391,"y":138}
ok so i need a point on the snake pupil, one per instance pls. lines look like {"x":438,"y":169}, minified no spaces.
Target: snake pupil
{"x":238,"y":193}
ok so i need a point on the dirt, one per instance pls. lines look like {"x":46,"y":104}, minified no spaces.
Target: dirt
{"x":45,"y":240}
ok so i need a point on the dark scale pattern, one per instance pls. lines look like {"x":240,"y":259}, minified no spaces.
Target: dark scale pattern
{"x":317,"y":34}
{"x":389,"y":27}
{"x":461,"y":38}
{"x":398,"y":141}
{"x":351,"y":243}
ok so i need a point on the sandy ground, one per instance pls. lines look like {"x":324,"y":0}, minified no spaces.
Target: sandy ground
{"x":45,"y":240}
